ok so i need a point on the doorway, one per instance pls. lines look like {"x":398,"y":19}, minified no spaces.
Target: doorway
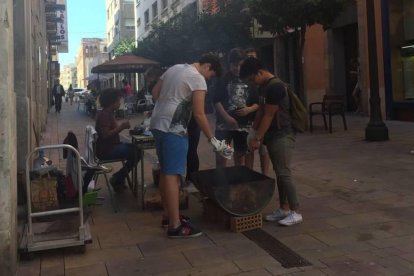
{"x":351,"y":53}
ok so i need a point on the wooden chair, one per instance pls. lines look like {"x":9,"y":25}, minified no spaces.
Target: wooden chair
{"x":331,"y":105}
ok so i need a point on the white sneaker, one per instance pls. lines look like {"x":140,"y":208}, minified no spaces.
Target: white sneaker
{"x":277,"y":215}
{"x":291,"y":219}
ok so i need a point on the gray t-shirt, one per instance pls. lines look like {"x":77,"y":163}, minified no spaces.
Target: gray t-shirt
{"x":173,"y":109}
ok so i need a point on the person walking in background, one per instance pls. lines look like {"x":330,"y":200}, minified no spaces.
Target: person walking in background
{"x":179,"y":93}
{"x":274,"y":129}
{"x":264,"y":156}
{"x":108,"y":144}
{"x":235,"y":102}
{"x":71,"y":94}
{"x":58,"y":92}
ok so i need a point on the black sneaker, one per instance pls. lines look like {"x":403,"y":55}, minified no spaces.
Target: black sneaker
{"x":165,"y":221}
{"x":184,"y":231}
{"x":117,"y":188}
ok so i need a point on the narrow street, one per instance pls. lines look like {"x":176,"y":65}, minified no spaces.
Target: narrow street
{"x":356,"y":198}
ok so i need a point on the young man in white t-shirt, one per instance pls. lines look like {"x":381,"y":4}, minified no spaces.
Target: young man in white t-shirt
{"x":179,"y":93}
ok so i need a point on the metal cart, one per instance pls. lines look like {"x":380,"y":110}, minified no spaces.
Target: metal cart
{"x":57,"y":228}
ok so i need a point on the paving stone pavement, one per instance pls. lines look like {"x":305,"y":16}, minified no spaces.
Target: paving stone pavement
{"x":357,"y":200}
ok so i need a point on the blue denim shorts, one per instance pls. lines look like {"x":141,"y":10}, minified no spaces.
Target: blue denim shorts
{"x":172,"y":152}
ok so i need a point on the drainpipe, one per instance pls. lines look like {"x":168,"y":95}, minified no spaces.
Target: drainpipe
{"x":376,"y":129}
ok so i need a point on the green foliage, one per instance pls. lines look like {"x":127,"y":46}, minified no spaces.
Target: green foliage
{"x":125,"y":46}
{"x":278,"y":16}
{"x":188,"y":35}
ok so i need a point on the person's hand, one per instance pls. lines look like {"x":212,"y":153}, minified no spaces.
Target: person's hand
{"x":250,"y":136}
{"x":222,"y":148}
{"x":254,"y":144}
{"x":125,"y":125}
{"x":244,"y":111}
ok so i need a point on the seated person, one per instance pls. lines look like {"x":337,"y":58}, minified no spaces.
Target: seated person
{"x":108,"y":145}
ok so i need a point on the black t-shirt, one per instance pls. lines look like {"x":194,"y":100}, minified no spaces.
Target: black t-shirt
{"x":234,"y":94}
{"x":276,"y":94}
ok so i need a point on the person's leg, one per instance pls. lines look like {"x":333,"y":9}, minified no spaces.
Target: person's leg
{"x":240,"y":147}
{"x":170,"y":194}
{"x":123,"y":151}
{"x":193,"y":162}
{"x":264,"y":159}
{"x":221,"y":162}
{"x":280,"y":152}
{"x":249,"y":159}
{"x":58,"y":103}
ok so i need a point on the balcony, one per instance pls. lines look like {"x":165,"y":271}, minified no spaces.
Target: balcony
{"x":175,"y":4}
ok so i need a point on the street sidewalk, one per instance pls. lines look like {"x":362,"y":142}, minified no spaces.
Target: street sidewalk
{"x":356,"y":198}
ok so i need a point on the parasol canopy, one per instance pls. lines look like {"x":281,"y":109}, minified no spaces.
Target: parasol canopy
{"x":127,"y":63}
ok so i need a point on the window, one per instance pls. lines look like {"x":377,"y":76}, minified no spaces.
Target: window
{"x":146,"y":17}
{"x":138,"y":22}
{"x":155,"y":9}
{"x":164,"y":4}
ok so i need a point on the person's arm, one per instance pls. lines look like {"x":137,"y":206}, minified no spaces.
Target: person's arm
{"x":156,"y":90}
{"x":258,"y":118}
{"x":230,"y":121}
{"x":269,"y":112}
{"x":199,"y":115}
{"x":242,"y":112}
{"x":106,"y":129}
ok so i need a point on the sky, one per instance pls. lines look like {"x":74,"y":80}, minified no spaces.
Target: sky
{"x":86,"y":19}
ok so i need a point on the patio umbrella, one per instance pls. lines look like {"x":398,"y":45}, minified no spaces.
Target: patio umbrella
{"x":102,"y":77}
{"x":127,"y":63}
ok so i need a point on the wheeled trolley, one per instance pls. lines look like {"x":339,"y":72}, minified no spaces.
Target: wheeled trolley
{"x":51,"y":227}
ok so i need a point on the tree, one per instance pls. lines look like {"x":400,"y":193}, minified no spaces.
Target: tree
{"x":188,"y":35}
{"x":124,"y":46}
{"x":281,"y":17}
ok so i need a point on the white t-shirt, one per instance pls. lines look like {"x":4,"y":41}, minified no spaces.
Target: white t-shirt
{"x":173,"y":109}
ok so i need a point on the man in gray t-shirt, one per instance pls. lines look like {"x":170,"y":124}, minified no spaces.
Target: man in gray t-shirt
{"x":180,"y":92}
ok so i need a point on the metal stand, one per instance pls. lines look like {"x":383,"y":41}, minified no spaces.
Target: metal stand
{"x":53,"y":232}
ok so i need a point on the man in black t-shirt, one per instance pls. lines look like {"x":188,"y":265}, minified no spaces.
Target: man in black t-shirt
{"x":273,"y":128}
{"x":235,"y":102}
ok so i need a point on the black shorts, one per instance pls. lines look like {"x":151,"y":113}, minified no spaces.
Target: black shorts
{"x":239,"y":139}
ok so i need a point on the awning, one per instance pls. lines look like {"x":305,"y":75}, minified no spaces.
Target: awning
{"x":128,"y":63}
{"x":102,"y":77}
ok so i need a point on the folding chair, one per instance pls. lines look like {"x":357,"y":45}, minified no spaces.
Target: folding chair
{"x":90,"y":142}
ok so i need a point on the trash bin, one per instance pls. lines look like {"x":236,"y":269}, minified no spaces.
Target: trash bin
{"x":237,"y":190}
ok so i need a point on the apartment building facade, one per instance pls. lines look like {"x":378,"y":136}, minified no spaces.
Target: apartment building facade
{"x":68,"y":76}
{"x":32,"y":34}
{"x":88,"y":50}
{"x":119,"y":22}
{"x":149,"y":12}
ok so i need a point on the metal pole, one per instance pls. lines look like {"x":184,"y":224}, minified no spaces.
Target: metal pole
{"x":376,"y":129}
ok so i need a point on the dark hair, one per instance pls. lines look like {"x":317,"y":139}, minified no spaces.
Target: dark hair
{"x":109,"y":96}
{"x":236,"y":55}
{"x":152,"y":75}
{"x":250,"y":66}
{"x":214,"y":61}
{"x":249,"y":51}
